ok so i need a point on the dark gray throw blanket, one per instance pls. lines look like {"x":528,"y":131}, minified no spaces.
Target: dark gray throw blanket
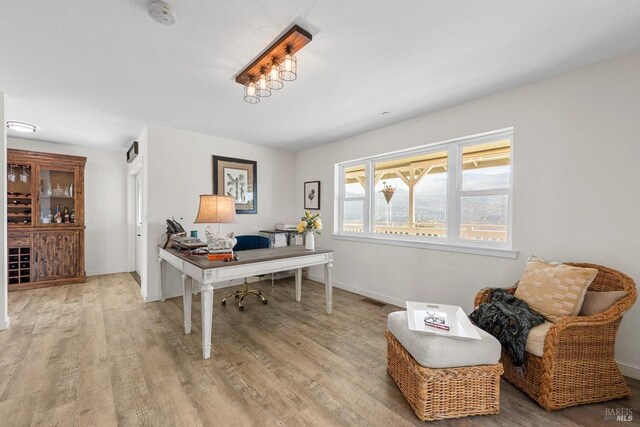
{"x":509,"y":319}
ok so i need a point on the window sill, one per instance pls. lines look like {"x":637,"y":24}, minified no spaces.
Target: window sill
{"x":447,"y":247}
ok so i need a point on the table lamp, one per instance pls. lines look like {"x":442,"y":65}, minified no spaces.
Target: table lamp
{"x":217,"y":209}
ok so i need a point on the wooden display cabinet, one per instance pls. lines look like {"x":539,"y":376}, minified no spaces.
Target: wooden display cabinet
{"x":45,"y":219}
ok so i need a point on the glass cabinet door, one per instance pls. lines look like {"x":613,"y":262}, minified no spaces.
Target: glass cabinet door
{"x":19,"y":197}
{"x":56,"y":195}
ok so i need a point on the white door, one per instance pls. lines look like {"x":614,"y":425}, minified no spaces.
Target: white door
{"x":139,"y":224}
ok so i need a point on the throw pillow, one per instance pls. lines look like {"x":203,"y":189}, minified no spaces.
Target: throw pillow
{"x":597,"y":302}
{"x":554,"y":289}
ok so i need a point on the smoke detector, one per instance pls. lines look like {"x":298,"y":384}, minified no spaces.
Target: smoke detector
{"x":161,"y":12}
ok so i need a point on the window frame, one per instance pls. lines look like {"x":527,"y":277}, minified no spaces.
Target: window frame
{"x":340,"y":168}
{"x":454,"y":195}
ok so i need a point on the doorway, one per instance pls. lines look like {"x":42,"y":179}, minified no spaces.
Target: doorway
{"x":137,"y":273}
{"x":136,"y":226}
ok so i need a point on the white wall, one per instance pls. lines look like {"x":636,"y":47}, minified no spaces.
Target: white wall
{"x":180,"y":168}
{"x":105,"y":203}
{"x":4,"y":279}
{"x":576,"y":190}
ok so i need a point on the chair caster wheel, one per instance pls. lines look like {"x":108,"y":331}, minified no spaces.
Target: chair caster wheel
{"x":236,"y":296}
{"x":241,"y":307}
{"x":224,"y":302}
{"x":265,"y":302}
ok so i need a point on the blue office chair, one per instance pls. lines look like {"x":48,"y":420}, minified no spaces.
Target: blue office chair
{"x":247,"y":243}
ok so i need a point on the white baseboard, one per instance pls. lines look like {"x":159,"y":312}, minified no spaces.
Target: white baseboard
{"x":629,"y":370}
{"x":148,"y":298}
{"x":626,"y":368}
{"x":4,"y":324}
{"x":364,"y":292}
{"x":90,"y":273}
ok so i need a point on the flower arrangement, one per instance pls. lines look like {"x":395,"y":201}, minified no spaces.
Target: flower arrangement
{"x":388,"y":191}
{"x":309,"y":223}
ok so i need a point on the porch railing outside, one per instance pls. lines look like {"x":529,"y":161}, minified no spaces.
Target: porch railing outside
{"x":483,"y":232}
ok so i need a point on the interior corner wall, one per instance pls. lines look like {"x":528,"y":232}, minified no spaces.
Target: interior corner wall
{"x":576,"y":190}
{"x":180,"y":168}
{"x":4,"y":279}
{"x":104,"y":200}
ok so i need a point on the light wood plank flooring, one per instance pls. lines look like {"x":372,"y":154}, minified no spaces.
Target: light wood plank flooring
{"x":96,"y":354}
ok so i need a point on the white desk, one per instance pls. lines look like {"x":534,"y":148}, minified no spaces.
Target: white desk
{"x":205,"y":273}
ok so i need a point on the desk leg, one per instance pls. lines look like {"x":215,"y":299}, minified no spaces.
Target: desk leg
{"x":298,"y":284}
{"x":161,"y":279}
{"x":186,"y":302}
{"x":206,"y":300}
{"x":328,"y":286}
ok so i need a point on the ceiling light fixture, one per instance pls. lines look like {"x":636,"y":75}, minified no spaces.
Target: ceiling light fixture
{"x":289,"y":67}
{"x":263,"y":90}
{"x":276,"y":65}
{"x":273,"y":79}
{"x":21,"y":126}
{"x":250,"y":92}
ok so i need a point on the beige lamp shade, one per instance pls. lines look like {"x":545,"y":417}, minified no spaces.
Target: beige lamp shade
{"x":215,"y":209}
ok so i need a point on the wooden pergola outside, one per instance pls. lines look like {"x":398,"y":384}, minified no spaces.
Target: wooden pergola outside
{"x":412,"y":170}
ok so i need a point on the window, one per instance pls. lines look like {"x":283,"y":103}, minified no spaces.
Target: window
{"x":353,"y":201}
{"x":455,"y":193}
{"x":484,"y":197}
{"x":411,"y":195}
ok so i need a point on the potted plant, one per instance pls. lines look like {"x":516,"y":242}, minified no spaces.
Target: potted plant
{"x":309,"y":225}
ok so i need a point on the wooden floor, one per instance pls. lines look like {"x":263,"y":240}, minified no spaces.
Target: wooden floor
{"x":96,"y":354}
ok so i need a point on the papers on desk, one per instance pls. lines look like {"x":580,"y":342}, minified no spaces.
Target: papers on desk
{"x":280,"y":240}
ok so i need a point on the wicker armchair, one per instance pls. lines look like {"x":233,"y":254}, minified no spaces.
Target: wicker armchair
{"x":577,"y":364}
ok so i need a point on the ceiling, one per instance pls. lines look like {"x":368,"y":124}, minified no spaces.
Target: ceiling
{"x":93,"y":72}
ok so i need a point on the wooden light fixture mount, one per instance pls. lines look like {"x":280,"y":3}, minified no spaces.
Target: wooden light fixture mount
{"x":293,"y":40}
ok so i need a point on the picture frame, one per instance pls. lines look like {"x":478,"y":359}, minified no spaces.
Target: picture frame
{"x":237,"y":178}
{"x":312,"y":195}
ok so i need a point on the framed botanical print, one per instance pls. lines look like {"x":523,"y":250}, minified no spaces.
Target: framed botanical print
{"x":312,"y":195}
{"x":237,"y":178}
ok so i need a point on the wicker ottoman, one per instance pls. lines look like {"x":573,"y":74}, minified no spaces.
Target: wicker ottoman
{"x":444,"y":392}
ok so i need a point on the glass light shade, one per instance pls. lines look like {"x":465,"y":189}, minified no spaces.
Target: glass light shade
{"x":216,"y":209}
{"x":250,"y":92}
{"x":288,"y":69}
{"x":21,"y":126}
{"x":273,"y":78}
{"x":262,"y":89}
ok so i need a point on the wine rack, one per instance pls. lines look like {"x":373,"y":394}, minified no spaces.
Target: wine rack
{"x":45,"y":219}
{"x":20,"y":194}
{"x":19,"y":265}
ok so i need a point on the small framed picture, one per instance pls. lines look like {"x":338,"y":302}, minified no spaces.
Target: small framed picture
{"x":312,"y":195}
{"x":237,"y":178}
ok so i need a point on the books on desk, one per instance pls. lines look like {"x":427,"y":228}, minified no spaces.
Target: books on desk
{"x":220,"y":254}
{"x":187,"y":243}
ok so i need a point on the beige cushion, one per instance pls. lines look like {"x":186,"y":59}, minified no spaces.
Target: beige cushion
{"x":434,"y":351}
{"x":535,"y":340}
{"x":553,"y":289}
{"x":597,"y":302}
